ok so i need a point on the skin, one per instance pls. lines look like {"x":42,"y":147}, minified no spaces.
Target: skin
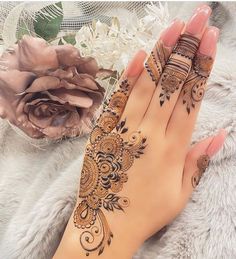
{"x":160,"y":180}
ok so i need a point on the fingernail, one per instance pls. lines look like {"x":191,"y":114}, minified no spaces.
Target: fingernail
{"x":136,"y":64}
{"x":199,"y":19}
{"x":216,"y":143}
{"x":170,"y":36}
{"x":209,"y":41}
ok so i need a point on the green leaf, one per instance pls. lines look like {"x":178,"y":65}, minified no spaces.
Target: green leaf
{"x":22,"y":30}
{"x":47,"y":26}
{"x":70,"y":39}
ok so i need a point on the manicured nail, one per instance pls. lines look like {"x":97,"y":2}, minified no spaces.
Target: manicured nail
{"x":170,"y":35}
{"x":209,"y":41}
{"x":216,"y":143}
{"x":135,"y":66}
{"x":199,"y":20}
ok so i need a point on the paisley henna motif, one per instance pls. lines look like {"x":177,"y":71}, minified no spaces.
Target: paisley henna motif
{"x":194,"y":87}
{"x":202,"y":164}
{"x":108,"y":157}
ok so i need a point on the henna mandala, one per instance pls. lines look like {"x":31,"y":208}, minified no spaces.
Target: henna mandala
{"x":108,"y":157}
{"x":194,"y":87}
{"x":156,"y":61}
{"x":202,"y":164}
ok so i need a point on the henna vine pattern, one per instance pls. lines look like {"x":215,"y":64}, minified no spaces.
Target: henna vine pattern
{"x":194,"y":87}
{"x":202,"y":164}
{"x":108,"y":157}
{"x":156,"y":61}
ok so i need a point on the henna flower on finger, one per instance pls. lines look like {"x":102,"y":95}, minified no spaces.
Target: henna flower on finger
{"x":48,"y":91}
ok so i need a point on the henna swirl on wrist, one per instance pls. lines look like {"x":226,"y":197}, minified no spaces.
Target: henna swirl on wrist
{"x":108,"y":157}
{"x":194,"y":87}
{"x":202,"y":164}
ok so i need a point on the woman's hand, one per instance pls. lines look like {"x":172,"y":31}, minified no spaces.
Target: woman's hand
{"x":139,"y":169}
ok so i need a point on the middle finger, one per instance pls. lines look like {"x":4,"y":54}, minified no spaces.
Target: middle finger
{"x":176,"y":72}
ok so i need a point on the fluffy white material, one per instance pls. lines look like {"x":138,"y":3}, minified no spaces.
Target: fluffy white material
{"x":39,"y":180}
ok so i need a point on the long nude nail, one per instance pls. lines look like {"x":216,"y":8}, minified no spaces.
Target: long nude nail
{"x":216,"y":143}
{"x":209,"y":41}
{"x":136,"y":64}
{"x":170,"y":36}
{"x":199,"y":19}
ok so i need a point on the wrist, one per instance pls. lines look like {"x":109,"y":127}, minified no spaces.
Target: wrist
{"x":124,"y":242}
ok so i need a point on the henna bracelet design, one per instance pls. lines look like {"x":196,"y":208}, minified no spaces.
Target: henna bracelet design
{"x":202,"y":164}
{"x":107,"y":158}
{"x":194,"y":87}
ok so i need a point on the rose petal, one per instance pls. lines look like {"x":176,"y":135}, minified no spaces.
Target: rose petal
{"x":62,"y":74}
{"x":40,"y":122}
{"x":87,"y":65}
{"x":74,"y":97}
{"x":9,"y":59}
{"x":70,"y":128}
{"x":9,"y":87}
{"x":67,"y":55}
{"x":35,"y":54}
{"x":103,"y":73}
{"x":43,"y":83}
{"x":31,"y":130}
{"x":84,"y":80}
{"x":16,"y":80}
{"x":8,"y":103}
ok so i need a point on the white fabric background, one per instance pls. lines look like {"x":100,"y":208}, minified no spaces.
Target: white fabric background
{"x":38,"y":180}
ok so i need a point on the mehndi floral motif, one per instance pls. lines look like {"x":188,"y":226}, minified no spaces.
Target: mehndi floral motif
{"x":194,"y":87}
{"x":202,"y":164}
{"x":178,"y":66}
{"x":108,"y":157}
{"x":175,"y":72}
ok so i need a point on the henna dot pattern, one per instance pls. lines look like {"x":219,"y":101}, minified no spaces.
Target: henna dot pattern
{"x":108,"y":157}
{"x":156,"y":61}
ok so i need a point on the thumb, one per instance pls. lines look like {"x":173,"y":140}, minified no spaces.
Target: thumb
{"x":198,"y":158}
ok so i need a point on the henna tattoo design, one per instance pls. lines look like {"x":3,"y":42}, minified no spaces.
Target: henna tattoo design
{"x":202,"y":164}
{"x":175,"y":73}
{"x":187,"y":46}
{"x":108,"y":157}
{"x":194,"y":87}
{"x":156,"y":61}
{"x":177,"y":69}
